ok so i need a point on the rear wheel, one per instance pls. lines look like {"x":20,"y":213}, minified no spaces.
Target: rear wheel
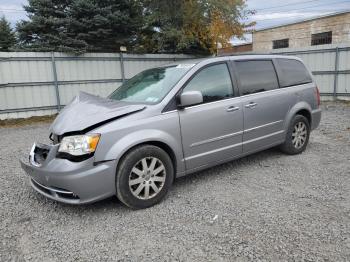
{"x":144,"y":177}
{"x":297,"y":136}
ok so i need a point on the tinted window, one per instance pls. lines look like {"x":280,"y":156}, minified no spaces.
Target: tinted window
{"x":214,"y":82}
{"x":293,"y":72}
{"x":321,"y":38}
{"x":283,"y":43}
{"x":256,"y":76}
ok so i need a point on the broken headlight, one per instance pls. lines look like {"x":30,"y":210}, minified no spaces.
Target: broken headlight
{"x":79,"y":145}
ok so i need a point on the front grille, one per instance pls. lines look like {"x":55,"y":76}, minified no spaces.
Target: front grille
{"x":54,"y":191}
{"x":40,"y":154}
{"x":40,"y":187}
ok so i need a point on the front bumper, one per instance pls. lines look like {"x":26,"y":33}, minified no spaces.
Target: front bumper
{"x":72,"y":182}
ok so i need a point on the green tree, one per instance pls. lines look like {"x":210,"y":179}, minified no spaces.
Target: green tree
{"x":105,"y":25}
{"x":193,"y":26}
{"x":162,"y":21}
{"x":7,"y":36}
{"x":155,"y":26}
{"x":80,"y":25}
{"x":46,"y":29}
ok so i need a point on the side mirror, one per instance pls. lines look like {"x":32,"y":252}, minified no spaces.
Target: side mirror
{"x":190,"y":98}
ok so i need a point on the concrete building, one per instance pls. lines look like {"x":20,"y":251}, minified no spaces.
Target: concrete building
{"x":235,"y":49}
{"x":329,"y":29}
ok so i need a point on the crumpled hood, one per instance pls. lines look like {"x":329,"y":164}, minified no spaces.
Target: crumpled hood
{"x":87,"y":110}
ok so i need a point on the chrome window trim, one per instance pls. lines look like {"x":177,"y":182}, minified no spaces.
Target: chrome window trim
{"x":274,"y":90}
{"x":237,"y":97}
{"x":169,"y":112}
{"x":210,"y":103}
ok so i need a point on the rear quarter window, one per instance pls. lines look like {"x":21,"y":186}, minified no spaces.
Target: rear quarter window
{"x":292,"y":72}
{"x":256,"y":76}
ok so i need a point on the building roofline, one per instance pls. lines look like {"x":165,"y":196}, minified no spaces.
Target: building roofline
{"x":242,"y":44}
{"x":303,"y":20}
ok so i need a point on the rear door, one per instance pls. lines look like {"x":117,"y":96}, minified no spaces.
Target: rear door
{"x":212,"y":131}
{"x":294,"y":76}
{"x":264,"y":104}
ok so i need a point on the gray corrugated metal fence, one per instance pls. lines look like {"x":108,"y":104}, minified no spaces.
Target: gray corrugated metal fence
{"x":330,"y":64}
{"x":41,"y":83}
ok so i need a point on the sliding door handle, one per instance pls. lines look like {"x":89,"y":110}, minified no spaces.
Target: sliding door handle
{"x":251,"y":105}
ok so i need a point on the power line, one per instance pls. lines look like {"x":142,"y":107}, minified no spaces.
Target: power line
{"x":298,"y":15}
{"x":278,"y":6}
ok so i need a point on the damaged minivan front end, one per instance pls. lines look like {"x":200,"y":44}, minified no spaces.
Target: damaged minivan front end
{"x":67,"y":170}
{"x":92,"y":136}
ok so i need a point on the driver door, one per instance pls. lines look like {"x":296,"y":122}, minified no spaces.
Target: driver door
{"x":211,"y":131}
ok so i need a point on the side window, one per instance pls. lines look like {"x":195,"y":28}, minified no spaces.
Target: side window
{"x":256,"y":76}
{"x":293,"y":72}
{"x":214,"y":82}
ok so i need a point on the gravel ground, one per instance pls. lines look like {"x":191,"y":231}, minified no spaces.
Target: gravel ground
{"x":268,"y":207}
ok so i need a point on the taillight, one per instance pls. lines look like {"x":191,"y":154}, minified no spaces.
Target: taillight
{"x":318,"y":96}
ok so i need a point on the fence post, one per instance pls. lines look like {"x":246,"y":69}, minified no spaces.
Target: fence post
{"x":336,"y":73}
{"x":122,"y":66}
{"x":55,"y":82}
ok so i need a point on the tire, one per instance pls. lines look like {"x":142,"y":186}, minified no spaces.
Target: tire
{"x":291,"y":145}
{"x":141,"y":172}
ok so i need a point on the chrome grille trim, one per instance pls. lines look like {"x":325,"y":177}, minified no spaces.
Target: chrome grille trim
{"x":55,"y":192}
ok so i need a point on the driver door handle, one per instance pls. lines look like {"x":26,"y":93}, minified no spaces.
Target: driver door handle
{"x":232,"y":108}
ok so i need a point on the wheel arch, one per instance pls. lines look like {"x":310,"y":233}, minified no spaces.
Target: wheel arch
{"x":301,"y":108}
{"x":162,"y":145}
{"x":306,"y":113}
{"x":115,"y":149}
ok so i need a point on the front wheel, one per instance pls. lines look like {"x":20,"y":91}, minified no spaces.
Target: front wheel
{"x":297,"y":136}
{"x":144,"y":176}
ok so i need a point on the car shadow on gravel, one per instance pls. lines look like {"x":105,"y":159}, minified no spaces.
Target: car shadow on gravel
{"x":100,"y":206}
{"x":255,"y":159}
{"x":113,"y":204}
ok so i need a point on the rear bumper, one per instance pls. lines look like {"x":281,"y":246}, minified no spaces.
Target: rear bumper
{"x":73,"y":182}
{"x":315,"y":118}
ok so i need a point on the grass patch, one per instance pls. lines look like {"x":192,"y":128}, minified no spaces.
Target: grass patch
{"x":26,"y":121}
{"x":335,"y":103}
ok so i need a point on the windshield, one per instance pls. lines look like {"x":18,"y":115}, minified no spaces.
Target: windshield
{"x":150,"y":86}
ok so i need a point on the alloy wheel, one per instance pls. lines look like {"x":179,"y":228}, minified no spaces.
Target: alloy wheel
{"x":147,"y":178}
{"x":299,"y":135}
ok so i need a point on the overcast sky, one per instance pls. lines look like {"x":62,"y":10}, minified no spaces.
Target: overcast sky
{"x":268,"y":12}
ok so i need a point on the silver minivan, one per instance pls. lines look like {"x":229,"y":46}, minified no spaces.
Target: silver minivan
{"x":171,"y":121}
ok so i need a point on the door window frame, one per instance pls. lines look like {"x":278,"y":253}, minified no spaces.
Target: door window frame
{"x":279,"y":72}
{"x":235,"y":72}
{"x":172,"y":105}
